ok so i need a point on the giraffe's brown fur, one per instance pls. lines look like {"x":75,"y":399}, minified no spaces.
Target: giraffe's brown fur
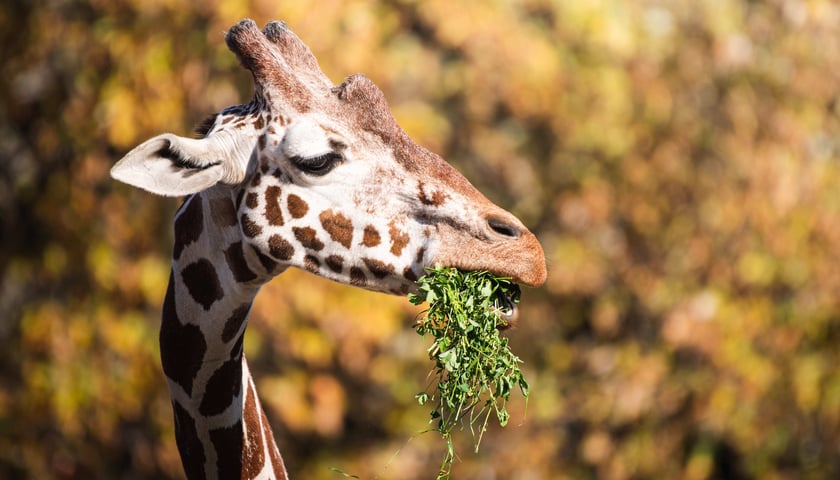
{"x":338,"y":226}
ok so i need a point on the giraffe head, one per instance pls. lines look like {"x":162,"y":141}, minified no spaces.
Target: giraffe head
{"x":324,"y":179}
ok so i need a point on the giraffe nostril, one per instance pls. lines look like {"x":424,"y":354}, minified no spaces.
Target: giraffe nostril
{"x":503,"y":227}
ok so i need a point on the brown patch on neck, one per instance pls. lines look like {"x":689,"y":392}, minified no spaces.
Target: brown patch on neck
{"x":253,"y":457}
{"x":182,"y":346}
{"x":202,"y":282}
{"x":268,"y":264}
{"x":189,"y":225}
{"x":223,"y":212}
{"x":227,"y":442}
{"x":189,"y":445}
{"x":276,"y":460}
{"x":234,"y":323}
{"x":235,"y":257}
{"x":222,"y":388}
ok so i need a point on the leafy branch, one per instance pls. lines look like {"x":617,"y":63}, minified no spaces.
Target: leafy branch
{"x":475,"y":369}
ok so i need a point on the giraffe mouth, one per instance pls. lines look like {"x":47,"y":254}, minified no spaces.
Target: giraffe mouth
{"x":508,"y":303}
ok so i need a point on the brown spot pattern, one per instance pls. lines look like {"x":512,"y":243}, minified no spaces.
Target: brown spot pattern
{"x":399,"y":239}
{"x":409,"y":274}
{"x":223,"y":212}
{"x":182,"y":347}
{"x":249,"y":227}
{"x":202,"y":282}
{"x":222,"y":387}
{"x":234,"y":323}
{"x":339,"y":227}
{"x":268,"y":264}
{"x":297,"y":206}
{"x":227,"y":442}
{"x":370,"y":237}
{"x":311,"y":263}
{"x":276,"y":460}
{"x":436,"y":199}
{"x":335,"y":263}
{"x":188,"y":225}
{"x":357,"y":277}
{"x":377,"y":268}
{"x":308,"y":237}
{"x":251,"y":200}
{"x":280,"y":248}
{"x":189,"y":445}
{"x":272,"y":206}
{"x":252,"y":452}
{"x":259,"y":123}
{"x":235,"y":257}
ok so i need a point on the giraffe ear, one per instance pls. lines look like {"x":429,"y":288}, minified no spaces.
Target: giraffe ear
{"x":173,"y":166}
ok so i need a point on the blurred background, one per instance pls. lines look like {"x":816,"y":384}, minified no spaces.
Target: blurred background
{"x":679,"y":160}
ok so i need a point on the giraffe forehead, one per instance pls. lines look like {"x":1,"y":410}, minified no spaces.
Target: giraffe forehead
{"x":308,"y":136}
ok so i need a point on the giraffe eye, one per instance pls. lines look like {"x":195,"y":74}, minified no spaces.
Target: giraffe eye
{"x":318,"y":165}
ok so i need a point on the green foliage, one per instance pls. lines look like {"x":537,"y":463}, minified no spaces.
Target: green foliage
{"x":474,"y":367}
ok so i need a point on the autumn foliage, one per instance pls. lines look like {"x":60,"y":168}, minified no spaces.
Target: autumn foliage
{"x":680,"y":162}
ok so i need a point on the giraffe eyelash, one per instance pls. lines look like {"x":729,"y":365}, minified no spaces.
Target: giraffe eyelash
{"x":318,"y":165}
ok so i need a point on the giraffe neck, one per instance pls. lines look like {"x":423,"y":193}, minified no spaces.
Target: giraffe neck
{"x":220,"y":427}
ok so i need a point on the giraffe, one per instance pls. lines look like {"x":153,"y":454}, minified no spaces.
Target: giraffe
{"x":308,"y":175}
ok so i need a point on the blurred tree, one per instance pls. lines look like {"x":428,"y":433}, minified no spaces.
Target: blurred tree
{"x":678,"y":160}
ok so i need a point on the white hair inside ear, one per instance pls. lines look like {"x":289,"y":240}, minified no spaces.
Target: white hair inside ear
{"x":171,"y":165}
